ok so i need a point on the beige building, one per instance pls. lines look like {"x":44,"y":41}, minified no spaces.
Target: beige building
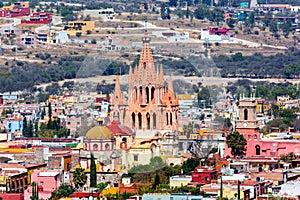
{"x":79,"y":26}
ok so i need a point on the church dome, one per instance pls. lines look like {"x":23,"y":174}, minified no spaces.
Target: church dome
{"x":99,"y":132}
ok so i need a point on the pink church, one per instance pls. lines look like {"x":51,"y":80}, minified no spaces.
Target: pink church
{"x":257,"y":146}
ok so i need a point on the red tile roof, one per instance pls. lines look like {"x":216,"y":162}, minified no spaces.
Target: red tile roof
{"x":118,"y":129}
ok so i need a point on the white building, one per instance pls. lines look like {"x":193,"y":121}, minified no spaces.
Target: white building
{"x":107,"y":14}
{"x":173,"y":36}
{"x":206,"y":36}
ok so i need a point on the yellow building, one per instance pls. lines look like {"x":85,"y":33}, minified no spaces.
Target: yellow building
{"x":82,"y":27}
{"x":18,"y":4}
{"x":180,"y":180}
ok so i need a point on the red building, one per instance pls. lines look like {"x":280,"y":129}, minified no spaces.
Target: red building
{"x":126,"y":186}
{"x":202,"y":176}
{"x":38,"y":18}
{"x":218,"y":31}
{"x":18,"y":9}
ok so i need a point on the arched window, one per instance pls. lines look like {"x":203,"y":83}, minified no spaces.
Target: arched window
{"x":144,"y":65}
{"x":255,"y":136}
{"x":245,"y":114}
{"x":167,"y":118}
{"x":171,"y":120}
{"x":140,"y":120}
{"x":135,"y":94}
{"x":147,"y":95}
{"x":148,"y":120}
{"x":141,"y":95}
{"x":154,"y":121}
{"x":152,"y":93}
{"x":107,"y":147}
{"x":95,"y":147}
{"x":257,"y":150}
{"x":133,"y":120}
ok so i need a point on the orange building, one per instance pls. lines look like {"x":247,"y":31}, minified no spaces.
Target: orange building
{"x":150,"y":105}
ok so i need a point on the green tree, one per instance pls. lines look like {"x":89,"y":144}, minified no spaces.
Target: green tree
{"x":250,"y":20}
{"x":292,"y":70}
{"x":204,"y":98}
{"x":189,"y":165}
{"x":93,"y":174}
{"x":237,"y":57}
{"x":237,"y":143}
{"x":79,"y":177}
{"x":156,"y":181}
{"x":188,"y":130}
{"x":93,"y":41}
{"x":78,"y":34}
{"x":30,"y":129}
{"x":65,"y":190}
{"x":25,"y":128}
{"x":287,"y":28}
{"x":273,"y":26}
{"x":230,"y":22}
{"x":101,"y":186}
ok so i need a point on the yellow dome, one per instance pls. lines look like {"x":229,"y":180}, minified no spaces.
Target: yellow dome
{"x":99,"y":132}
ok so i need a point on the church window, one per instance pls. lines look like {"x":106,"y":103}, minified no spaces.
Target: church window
{"x":141,"y":95}
{"x":135,"y":94}
{"x":144,"y":65}
{"x":245,"y":114}
{"x":95,"y":147}
{"x":133,"y":120}
{"x":154,"y":121}
{"x":148,"y":120}
{"x":140,"y":120}
{"x":107,"y":147}
{"x":255,"y":136}
{"x":171,"y":120}
{"x":147,"y":95}
{"x":152,"y":93}
{"x":167,"y":118}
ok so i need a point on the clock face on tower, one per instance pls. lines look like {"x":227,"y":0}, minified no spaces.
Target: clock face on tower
{"x":245,"y":124}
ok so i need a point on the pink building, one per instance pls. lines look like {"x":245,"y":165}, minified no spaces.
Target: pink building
{"x":256,"y":145}
{"x":47,"y":180}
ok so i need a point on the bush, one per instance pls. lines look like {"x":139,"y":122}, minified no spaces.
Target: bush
{"x":93,"y":41}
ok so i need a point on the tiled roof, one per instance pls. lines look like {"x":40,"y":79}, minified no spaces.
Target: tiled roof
{"x":118,"y":129}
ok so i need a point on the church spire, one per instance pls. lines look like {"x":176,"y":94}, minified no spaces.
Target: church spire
{"x":130,"y":76}
{"x":117,"y":88}
{"x":170,"y":85}
{"x":146,"y":55}
{"x":161,"y":74}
